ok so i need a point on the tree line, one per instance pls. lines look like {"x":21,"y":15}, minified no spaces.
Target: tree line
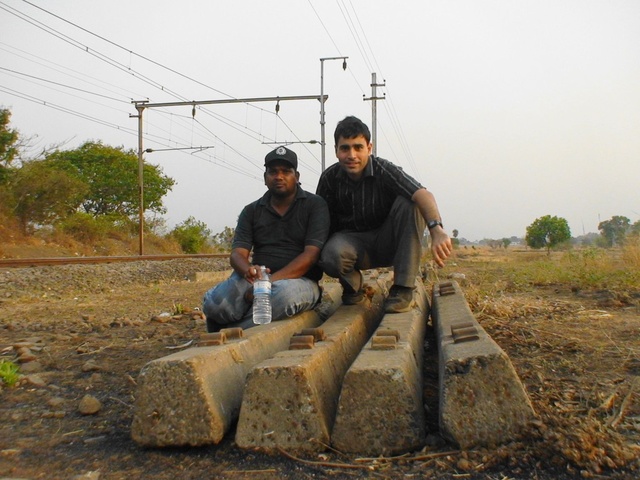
{"x":93,"y":189}
{"x":85,"y":192}
{"x":549,"y":232}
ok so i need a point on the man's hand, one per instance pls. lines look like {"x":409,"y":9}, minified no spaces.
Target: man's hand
{"x":440,"y":242}
{"x":440,"y":246}
{"x":253,"y":273}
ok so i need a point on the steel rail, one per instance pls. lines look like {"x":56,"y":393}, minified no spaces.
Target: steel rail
{"x":39,"y":262}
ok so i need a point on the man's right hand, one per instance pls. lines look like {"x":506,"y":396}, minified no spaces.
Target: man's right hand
{"x":252,"y":274}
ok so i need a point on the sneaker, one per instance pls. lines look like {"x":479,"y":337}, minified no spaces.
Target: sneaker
{"x":399,"y":300}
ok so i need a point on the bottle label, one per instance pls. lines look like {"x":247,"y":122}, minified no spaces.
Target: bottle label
{"x":261,"y":288}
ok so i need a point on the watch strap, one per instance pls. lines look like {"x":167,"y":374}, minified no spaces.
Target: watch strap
{"x":433,"y":223}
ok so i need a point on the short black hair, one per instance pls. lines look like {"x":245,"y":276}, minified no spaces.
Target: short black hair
{"x":351,"y":127}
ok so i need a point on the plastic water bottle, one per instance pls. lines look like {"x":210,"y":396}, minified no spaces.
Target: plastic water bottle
{"x":262,"y":298}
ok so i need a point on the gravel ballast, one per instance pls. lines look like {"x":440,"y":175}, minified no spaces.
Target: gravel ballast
{"x":98,"y":278}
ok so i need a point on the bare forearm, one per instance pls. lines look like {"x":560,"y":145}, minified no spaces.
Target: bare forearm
{"x":239,"y":261}
{"x":296,"y":268}
{"x":427,"y":205}
{"x":300,"y":265}
{"x":440,"y":242}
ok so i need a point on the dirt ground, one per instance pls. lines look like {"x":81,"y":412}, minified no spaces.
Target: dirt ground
{"x":578,"y":355}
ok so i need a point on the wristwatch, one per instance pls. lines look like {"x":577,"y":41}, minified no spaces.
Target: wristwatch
{"x":433,"y":223}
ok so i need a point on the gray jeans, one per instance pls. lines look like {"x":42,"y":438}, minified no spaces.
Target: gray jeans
{"x":397,"y":244}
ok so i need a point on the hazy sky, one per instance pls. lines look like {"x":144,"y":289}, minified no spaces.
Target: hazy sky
{"x":507,"y":110}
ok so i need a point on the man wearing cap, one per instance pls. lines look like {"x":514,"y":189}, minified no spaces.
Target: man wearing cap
{"x":285,"y":231}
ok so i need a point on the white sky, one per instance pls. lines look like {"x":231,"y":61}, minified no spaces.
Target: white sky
{"x":507,"y":110}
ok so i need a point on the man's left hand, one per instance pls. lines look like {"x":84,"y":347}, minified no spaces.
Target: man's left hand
{"x":440,"y":246}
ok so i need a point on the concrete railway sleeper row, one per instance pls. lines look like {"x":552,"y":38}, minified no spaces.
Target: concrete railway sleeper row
{"x":345,"y":376}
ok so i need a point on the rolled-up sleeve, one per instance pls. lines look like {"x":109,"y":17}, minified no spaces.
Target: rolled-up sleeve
{"x":243,"y":237}
{"x":319,"y":222}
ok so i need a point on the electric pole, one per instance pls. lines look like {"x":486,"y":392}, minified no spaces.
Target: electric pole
{"x":322,"y":97}
{"x":140,"y":106}
{"x":374,"y":116}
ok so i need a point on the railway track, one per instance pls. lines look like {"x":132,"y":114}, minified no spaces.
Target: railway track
{"x":40,"y":262}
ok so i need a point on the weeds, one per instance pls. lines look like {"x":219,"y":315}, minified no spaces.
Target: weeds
{"x":178,"y":308}
{"x":9,"y":373}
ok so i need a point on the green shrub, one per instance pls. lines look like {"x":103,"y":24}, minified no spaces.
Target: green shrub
{"x":85,"y":227}
{"x":192,"y":235}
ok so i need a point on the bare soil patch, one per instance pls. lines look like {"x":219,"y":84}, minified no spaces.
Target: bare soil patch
{"x":90,"y":330}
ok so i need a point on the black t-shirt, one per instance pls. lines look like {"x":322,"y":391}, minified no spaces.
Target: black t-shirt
{"x":276,"y":240}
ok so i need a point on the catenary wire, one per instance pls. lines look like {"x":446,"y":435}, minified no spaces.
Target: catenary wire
{"x":131,"y":52}
{"x":100,"y":83}
{"x":392,"y":113}
{"x":62,"y":85}
{"x":106,"y":58}
{"x":113,"y":62}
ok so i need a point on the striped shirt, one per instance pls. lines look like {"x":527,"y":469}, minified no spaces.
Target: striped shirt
{"x":364,"y":204}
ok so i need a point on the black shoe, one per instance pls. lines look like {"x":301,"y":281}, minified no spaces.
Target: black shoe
{"x":400,"y":299}
{"x":212,"y":326}
{"x":351,"y":296}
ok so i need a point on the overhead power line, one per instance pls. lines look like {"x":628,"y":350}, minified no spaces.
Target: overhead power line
{"x":131,"y":52}
{"x":324,"y":27}
{"x":113,"y":62}
{"x":64,"y":70}
{"x":63,"y":85}
{"x":54,"y":106}
{"x":85,"y":48}
{"x":360,"y":38}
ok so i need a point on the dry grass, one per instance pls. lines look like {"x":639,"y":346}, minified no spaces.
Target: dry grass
{"x":570,"y":324}
{"x":491,"y":272}
{"x":631,"y":252}
{"x":55,"y":243}
{"x":576,"y":348}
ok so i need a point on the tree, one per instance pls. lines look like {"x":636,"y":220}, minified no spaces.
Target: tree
{"x":111,"y":174}
{"x":547,"y":232}
{"x":8,"y":144}
{"x":42,"y":195}
{"x":455,"y":241}
{"x":224,"y":239}
{"x":506,"y":242}
{"x":614,"y":230}
{"x":491,"y":242}
{"x":191,"y":234}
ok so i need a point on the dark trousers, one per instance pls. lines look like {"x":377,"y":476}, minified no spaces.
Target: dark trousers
{"x":397,"y":244}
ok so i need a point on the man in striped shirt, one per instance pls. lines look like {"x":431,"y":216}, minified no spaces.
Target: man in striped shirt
{"x":378,"y":217}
